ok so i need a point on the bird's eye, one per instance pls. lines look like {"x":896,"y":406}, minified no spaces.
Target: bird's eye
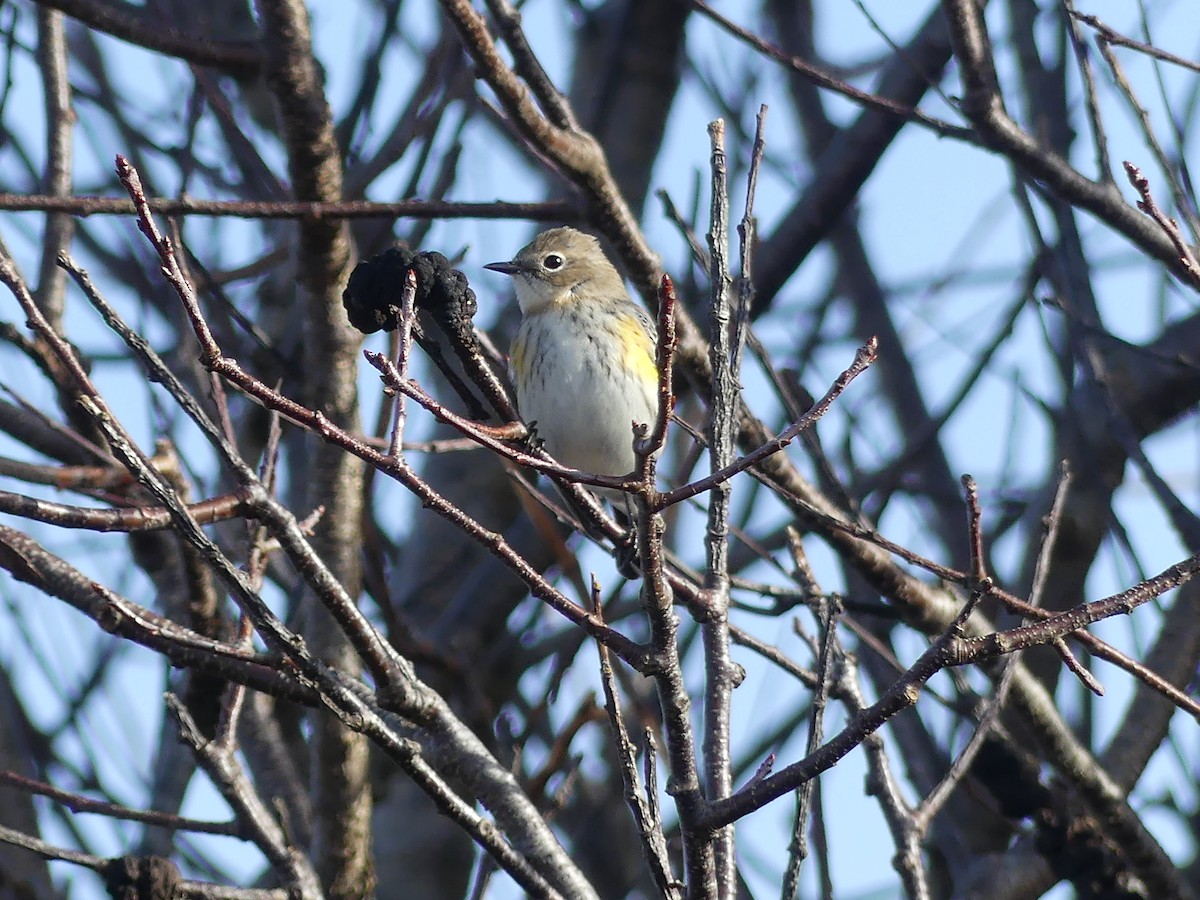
{"x":553,"y":261}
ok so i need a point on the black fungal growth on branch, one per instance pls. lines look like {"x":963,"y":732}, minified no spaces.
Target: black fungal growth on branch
{"x":372,"y":302}
{"x":372,"y":295}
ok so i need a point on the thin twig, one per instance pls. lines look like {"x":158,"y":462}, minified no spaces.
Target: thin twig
{"x":548,"y":211}
{"x":1110,"y":35}
{"x":975,"y":529}
{"x":862,"y":359}
{"x":1187,"y":256}
{"x":798,"y":848}
{"x":654,"y":844}
{"x":403,"y":353}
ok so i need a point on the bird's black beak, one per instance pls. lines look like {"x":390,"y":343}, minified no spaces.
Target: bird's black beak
{"x":507,"y":268}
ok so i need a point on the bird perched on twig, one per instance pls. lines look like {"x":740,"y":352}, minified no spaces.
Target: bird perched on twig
{"x":583,"y":360}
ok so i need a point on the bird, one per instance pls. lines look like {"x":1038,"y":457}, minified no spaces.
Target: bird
{"x":583,"y":360}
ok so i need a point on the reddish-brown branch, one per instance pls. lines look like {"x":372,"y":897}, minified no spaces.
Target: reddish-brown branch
{"x":862,"y":359}
{"x":665,"y":360}
{"x":1187,"y":256}
{"x":134,"y":518}
{"x":1109,"y":35}
{"x":79,"y":803}
{"x":1072,"y":620}
{"x":546,"y":211}
{"x":975,"y":529}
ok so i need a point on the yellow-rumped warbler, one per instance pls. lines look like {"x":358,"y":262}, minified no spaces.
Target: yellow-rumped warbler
{"x":583,"y":359}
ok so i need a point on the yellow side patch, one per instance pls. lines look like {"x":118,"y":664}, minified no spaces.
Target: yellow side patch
{"x":638,"y":349}
{"x":516,"y":362}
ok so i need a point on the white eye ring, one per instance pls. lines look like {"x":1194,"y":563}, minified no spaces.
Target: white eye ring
{"x":553,"y":261}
